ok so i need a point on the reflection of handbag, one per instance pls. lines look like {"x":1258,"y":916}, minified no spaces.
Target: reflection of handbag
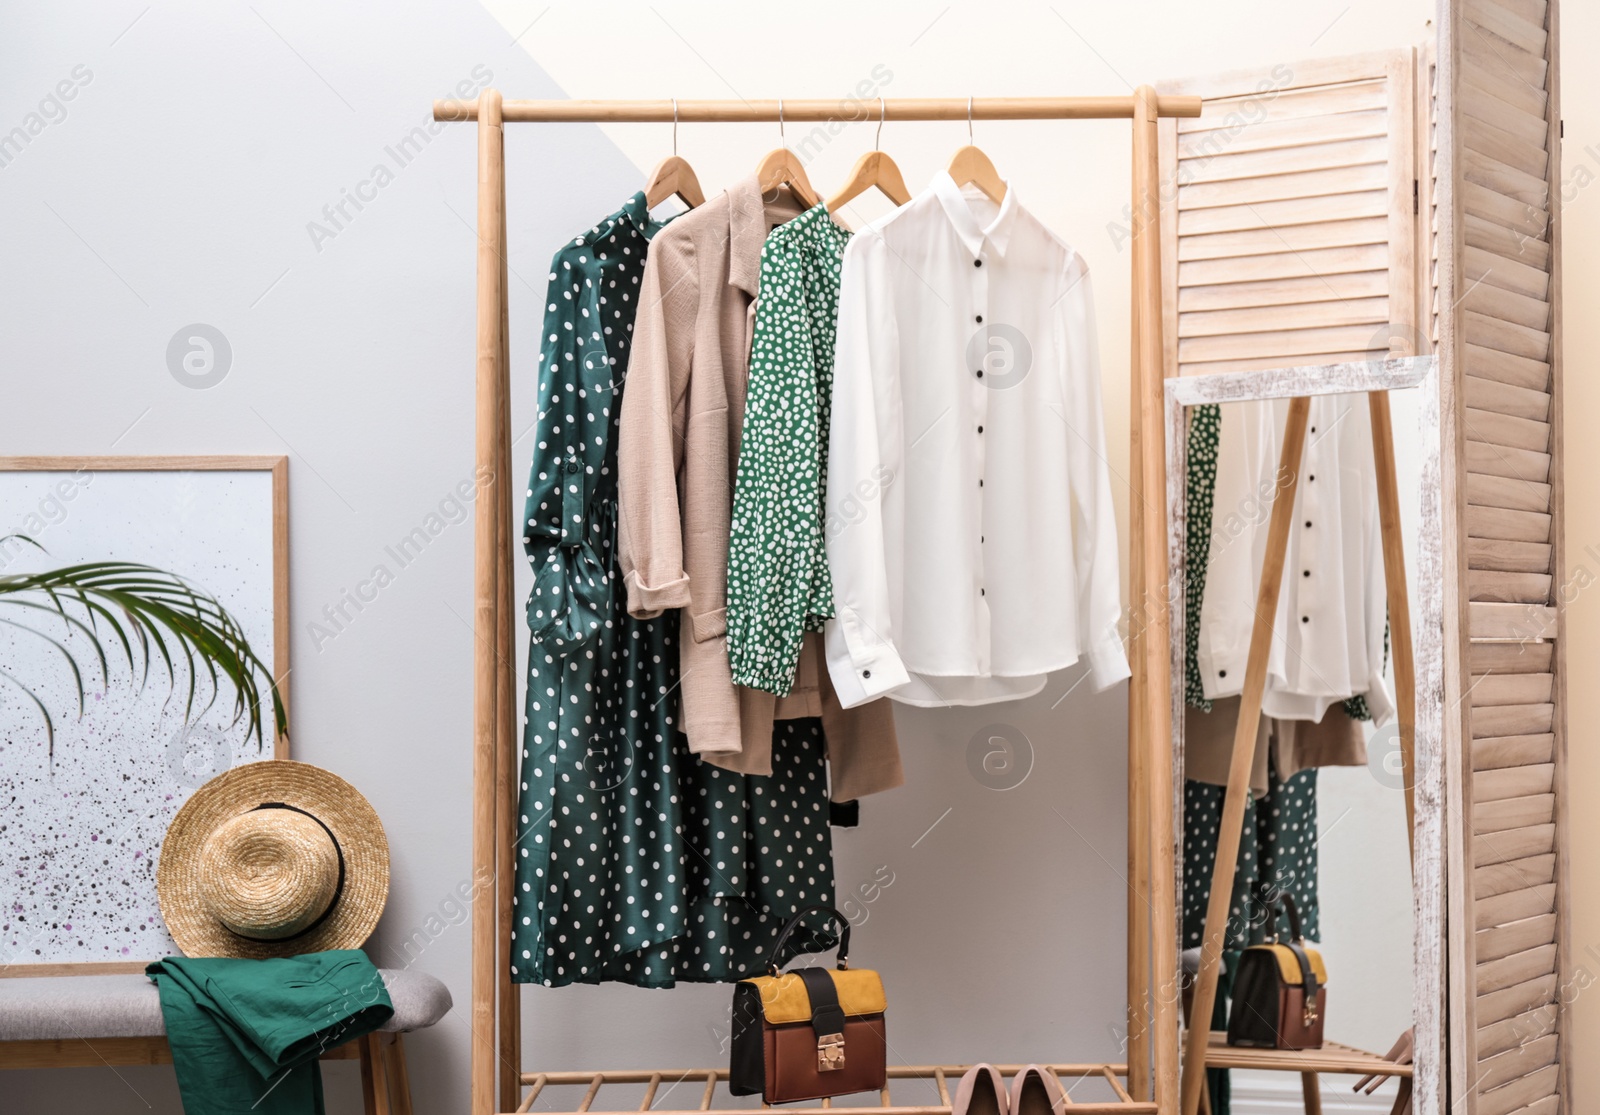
{"x":810,"y":1033}
{"x":1280,"y":992}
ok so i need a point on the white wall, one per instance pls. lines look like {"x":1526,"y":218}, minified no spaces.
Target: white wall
{"x":180,"y":187}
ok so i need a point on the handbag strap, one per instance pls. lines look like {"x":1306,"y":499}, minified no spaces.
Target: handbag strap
{"x":1308,"y":981}
{"x":794,"y":922}
{"x":1297,"y":945}
{"x":827,"y":1016}
{"x":1285,"y":902}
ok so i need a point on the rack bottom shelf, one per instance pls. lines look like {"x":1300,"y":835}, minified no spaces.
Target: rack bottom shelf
{"x":1331,"y":1058}
{"x":1092,"y":1089}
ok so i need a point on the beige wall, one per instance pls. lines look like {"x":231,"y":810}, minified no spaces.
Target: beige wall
{"x":1580,"y":109}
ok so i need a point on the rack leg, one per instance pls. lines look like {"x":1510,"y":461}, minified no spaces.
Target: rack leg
{"x":490,"y":345}
{"x":508,"y":744}
{"x":1154,"y":653}
{"x":1311,"y":1091}
{"x":1394,"y":575}
{"x":1139,"y":919}
{"x":1244,"y":746}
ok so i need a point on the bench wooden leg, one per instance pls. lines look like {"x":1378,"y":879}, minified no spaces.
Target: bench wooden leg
{"x":374,"y":1080}
{"x":399,"y":1080}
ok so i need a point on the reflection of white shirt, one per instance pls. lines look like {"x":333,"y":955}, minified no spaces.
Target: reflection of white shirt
{"x":1328,"y":637}
{"x":970,"y":533}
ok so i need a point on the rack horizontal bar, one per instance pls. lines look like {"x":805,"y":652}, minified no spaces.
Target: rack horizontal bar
{"x":705,"y":1080}
{"x":810,"y":111}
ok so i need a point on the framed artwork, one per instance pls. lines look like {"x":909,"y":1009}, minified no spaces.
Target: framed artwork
{"x":82,"y":814}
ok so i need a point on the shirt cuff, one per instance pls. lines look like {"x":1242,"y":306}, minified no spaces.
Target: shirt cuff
{"x":648,"y":602}
{"x":1108,"y":663}
{"x":861,"y":668}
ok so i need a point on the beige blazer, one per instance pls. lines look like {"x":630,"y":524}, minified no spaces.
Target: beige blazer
{"x":682,"y":416}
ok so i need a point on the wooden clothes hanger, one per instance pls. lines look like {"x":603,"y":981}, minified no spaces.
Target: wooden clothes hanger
{"x":673,"y":176}
{"x":781,"y":167}
{"x":970,"y":166}
{"x":874,"y":169}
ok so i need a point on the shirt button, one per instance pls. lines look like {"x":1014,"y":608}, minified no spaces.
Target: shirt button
{"x":572,"y":466}
{"x":866,"y":673}
{"x":978,"y":373}
{"x":1308,"y":522}
{"x":980,"y":319}
{"x":977,"y":263}
{"x":1313,"y":476}
{"x":980,"y":429}
{"x":980,"y":483}
{"x":981,"y":592}
{"x":1222,"y":673}
{"x":1305,"y":573}
{"x":1305,"y":619}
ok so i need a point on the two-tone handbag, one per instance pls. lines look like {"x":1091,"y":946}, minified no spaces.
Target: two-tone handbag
{"x":1280,"y":991}
{"x":811,"y":1033}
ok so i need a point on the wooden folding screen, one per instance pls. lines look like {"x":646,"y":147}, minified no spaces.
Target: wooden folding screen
{"x":1409,"y":201}
{"x":1499,"y":346}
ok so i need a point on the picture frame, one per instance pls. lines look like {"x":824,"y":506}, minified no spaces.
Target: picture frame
{"x":253,"y":493}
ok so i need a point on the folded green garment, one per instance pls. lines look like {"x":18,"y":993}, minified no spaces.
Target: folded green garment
{"x":246,"y":1034}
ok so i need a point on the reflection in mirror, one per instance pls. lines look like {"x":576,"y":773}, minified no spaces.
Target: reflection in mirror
{"x":1323,"y":839}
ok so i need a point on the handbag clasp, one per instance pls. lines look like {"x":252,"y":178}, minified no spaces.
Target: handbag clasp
{"x":830,"y":1052}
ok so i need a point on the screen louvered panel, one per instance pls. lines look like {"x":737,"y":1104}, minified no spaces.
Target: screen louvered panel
{"x":1503,"y":160}
{"x":1289,"y":216}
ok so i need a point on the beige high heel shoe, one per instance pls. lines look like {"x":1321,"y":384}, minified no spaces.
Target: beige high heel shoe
{"x":1037,"y":1091}
{"x":982,"y":1091}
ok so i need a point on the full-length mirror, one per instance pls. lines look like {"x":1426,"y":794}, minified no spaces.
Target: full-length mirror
{"x":1296,"y":739}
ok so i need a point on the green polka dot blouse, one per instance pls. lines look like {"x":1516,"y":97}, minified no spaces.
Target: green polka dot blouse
{"x":778,"y":582}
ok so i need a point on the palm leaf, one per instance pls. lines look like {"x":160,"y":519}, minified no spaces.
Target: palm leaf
{"x":163,"y":614}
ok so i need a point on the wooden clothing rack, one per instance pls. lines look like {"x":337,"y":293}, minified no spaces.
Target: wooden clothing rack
{"x":1152,"y":1071}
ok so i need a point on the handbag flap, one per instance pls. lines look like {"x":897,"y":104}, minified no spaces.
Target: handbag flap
{"x":784,"y":998}
{"x":1289,"y":964}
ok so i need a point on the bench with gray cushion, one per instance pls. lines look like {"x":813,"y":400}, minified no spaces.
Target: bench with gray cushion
{"x":76,"y":1021}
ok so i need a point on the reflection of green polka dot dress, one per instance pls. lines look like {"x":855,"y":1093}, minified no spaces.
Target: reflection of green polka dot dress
{"x":636,"y":862}
{"x":778,"y":581}
{"x":1278,"y":854}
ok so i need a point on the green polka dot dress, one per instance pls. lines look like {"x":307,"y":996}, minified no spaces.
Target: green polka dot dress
{"x":778,"y":582}
{"x":636,"y":862}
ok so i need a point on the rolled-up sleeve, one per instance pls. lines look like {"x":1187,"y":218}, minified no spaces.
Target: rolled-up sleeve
{"x":864,"y":457}
{"x":1094,"y":526}
{"x":570,"y":592}
{"x":651,"y":438}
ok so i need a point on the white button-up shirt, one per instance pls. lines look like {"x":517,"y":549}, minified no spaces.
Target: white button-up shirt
{"x":1328,"y":637}
{"x":970,"y":532}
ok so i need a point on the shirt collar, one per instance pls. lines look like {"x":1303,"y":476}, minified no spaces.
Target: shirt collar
{"x":636,"y":212}
{"x":957,"y":208}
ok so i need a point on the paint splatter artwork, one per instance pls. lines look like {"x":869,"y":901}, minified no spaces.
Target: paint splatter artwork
{"x":80,"y":830}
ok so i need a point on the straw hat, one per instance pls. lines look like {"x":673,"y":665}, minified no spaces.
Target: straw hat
{"x":274,"y":858}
